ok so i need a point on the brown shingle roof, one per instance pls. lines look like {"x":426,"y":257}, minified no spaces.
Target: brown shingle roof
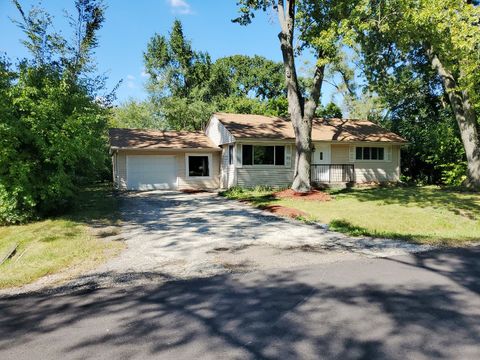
{"x":154,"y":139}
{"x":270,"y":127}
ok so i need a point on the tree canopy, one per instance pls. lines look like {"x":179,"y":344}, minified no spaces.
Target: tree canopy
{"x":52,"y":121}
{"x":185,"y":86}
{"x":422,"y":59}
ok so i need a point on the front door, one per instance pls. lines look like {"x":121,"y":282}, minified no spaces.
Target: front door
{"x":322,"y":157}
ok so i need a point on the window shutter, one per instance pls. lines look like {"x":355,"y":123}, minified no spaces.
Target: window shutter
{"x":388,"y":153}
{"x":351,"y":153}
{"x":238,"y":150}
{"x":288,"y":156}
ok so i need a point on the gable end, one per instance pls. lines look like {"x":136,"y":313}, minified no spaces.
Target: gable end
{"x":218,"y":133}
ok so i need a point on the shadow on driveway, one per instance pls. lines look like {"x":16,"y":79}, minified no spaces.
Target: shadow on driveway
{"x":417,"y":306}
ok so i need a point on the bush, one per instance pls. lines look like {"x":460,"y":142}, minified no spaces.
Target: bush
{"x":53,"y":141}
{"x":454,"y":174}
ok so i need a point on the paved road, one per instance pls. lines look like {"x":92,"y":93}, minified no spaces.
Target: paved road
{"x":418,"y":306}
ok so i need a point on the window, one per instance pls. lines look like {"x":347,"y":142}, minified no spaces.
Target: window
{"x":279,"y":155}
{"x":198,"y":165}
{"x":230,"y":154}
{"x":263,"y":155}
{"x":369,"y":153}
{"x":247,"y":151}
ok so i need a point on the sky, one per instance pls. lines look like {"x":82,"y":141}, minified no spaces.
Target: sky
{"x":130,"y":24}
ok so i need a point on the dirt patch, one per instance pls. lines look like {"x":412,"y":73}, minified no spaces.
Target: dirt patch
{"x":193,"y":191}
{"x":232,"y":249}
{"x":285,"y":211}
{"x":221,"y":249}
{"x":315,"y":195}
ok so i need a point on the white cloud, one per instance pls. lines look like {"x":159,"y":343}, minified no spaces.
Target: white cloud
{"x":131,"y":84}
{"x":180,"y":7}
{"x":144,"y":74}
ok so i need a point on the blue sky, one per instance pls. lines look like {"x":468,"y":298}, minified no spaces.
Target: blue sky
{"x":130,"y":24}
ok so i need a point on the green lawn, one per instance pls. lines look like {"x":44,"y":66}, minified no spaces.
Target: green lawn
{"x":56,"y":244}
{"x":429,"y":215}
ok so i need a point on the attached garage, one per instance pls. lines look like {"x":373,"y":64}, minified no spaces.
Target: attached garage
{"x":151,"y":172}
{"x":156,"y":160}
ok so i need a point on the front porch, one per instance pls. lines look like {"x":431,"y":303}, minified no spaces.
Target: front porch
{"x":332,"y":174}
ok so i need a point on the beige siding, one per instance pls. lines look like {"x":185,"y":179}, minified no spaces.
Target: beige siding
{"x":224,"y":167}
{"x":267,"y":175}
{"x":230,"y":175}
{"x":369,"y":171}
{"x":218,"y":133}
{"x":186,"y":183}
{"x":232,"y":179}
{"x":227,"y":171}
{"x":182,"y":181}
{"x":122,"y":170}
{"x":340,"y":154}
{"x":253,"y":176}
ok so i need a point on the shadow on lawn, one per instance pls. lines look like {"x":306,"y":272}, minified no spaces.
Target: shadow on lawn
{"x":97,"y":205}
{"x":260,"y":317}
{"x":460,"y":203}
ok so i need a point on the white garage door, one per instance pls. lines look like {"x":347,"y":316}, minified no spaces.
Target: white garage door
{"x":151,"y":172}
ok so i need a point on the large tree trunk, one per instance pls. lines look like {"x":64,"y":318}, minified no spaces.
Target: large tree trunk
{"x":465,"y":116}
{"x":301,"y":114}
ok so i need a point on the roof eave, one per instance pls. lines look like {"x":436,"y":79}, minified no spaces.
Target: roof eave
{"x":117,"y":148}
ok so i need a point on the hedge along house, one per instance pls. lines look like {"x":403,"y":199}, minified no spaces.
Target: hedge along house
{"x":250,"y":150}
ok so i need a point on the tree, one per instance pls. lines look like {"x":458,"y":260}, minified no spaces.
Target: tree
{"x":175,"y":69}
{"x":255,"y":76}
{"x":186,"y":87}
{"x":416,"y":108}
{"x":319,"y":24}
{"x":331,"y":110}
{"x":52,"y":129}
{"x":136,"y":114}
{"x":447,"y":35}
{"x":182,"y":82}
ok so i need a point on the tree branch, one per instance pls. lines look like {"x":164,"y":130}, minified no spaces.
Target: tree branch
{"x":281,"y":17}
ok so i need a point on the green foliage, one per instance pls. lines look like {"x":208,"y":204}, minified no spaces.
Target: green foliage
{"x":453,"y":174}
{"x":413,"y":95}
{"x":394,"y":36}
{"x":246,"y":105}
{"x":321,"y":28}
{"x":254,"y":76}
{"x":329,"y":111}
{"x":52,"y":131}
{"x":258,"y":195}
{"x":186,"y":87}
{"x":185,"y":114}
{"x":136,"y":114}
{"x":175,"y":69}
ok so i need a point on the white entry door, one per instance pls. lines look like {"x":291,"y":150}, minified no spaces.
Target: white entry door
{"x":321,"y":156}
{"x":151,"y":172}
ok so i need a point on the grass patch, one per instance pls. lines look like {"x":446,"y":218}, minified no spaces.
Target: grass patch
{"x":52,"y":245}
{"x":259,"y":195}
{"x":427,"y":215}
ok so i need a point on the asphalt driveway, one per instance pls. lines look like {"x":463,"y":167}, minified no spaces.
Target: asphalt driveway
{"x":190,"y":235}
{"x":417,"y":306}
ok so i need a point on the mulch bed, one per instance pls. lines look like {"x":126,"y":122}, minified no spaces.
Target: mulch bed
{"x":315,"y":195}
{"x":284,"y":211}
